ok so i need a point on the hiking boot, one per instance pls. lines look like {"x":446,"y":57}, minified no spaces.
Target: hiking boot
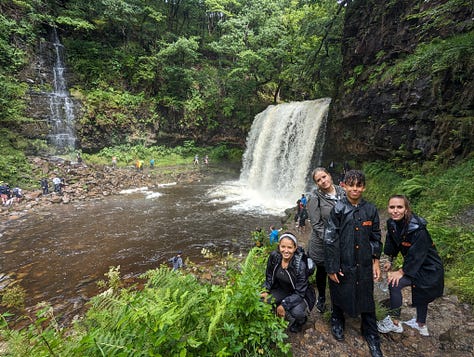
{"x":296,"y":327}
{"x":374,"y":345}
{"x":337,"y":329}
{"x":321,"y":304}
{"x":423,"y":330}
{"x":386,"y":325}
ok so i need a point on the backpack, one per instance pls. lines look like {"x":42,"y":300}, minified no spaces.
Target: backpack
{"x":301,"y":255}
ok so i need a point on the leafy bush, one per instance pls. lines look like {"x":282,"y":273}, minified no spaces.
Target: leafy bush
{"x":15,"y":167}
{"x":173,"y":315}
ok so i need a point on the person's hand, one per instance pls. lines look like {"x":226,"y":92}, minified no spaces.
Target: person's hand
{"x":394,"y":277}
{"x":264,"y":296}
{"x":280,"y":311}
{"x":334,"y":276}
{"x":387,"y":266}
{"x":376,"y":269}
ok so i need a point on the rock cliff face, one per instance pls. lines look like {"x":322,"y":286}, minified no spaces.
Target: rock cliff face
{"x":383,"y":110}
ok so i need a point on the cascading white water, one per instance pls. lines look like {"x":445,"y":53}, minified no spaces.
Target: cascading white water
{"x":62,"y":134}
{"x":280,"y":148}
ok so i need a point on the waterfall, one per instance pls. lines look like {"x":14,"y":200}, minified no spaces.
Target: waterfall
{"x":280,"y":149}
{"x":62,"y":132}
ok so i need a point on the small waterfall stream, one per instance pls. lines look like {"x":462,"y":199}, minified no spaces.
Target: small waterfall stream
{"x":280,"y":148}
{"x":62,"y":134}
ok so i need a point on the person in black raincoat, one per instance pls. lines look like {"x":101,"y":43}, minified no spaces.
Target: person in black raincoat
{"x":352,"y":245}
{"x":286,"y":283}
{"x":422,"y":267}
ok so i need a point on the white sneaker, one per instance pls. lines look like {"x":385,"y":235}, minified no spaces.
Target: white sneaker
{"x":423,"y":330}
{"x":386,"y":325}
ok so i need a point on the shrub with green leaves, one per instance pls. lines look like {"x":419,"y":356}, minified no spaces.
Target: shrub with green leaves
{"x":173,"y":315}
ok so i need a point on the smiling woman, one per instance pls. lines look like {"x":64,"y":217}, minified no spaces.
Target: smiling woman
{"x":286,"y":283}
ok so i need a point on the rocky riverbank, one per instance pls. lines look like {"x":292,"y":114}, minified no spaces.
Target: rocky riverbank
{"x":85,"y":182}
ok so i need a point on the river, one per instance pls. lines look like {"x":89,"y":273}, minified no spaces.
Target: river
{"x":58,"y":255}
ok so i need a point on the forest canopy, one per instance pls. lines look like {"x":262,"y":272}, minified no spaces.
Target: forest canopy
{"x":186,"y":66}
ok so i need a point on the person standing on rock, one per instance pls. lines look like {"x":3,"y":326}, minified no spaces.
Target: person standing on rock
{"x":422,"y":267}
{"x":352,"y":246}
{"x":273,"y":234}
{"x":321,"y":201}
{"x":177,"y":261}
{"x":57,"y":183}
{"x":44,"y":185}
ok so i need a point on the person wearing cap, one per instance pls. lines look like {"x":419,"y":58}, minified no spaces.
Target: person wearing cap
{"x":286,"y":284}
{"x":177,"y":260}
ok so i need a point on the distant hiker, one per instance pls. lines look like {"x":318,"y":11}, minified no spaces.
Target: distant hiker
{"x":206,"y":160}
{"x":57,"y":183}
{"x":304,"y":200}
{"x":196,"y":160}
{"x":4,"y":192}
{"x":79,"y":158}
{"x":422,"y":268}
{"x":44,"y":186}
{"x":152,"y":163}
{"x":302,"y":219}
{"x":297,"y":214}
{"x":177,"y":261}
{"x":139,"y":165}
{"x":114,"y":162}
{"x":273,"y":234}
{"x":17,"y":194}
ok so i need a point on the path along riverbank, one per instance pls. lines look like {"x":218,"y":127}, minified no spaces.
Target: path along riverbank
{"x":450,"y":322}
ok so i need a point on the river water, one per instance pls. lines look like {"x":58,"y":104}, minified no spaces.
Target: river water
{"x":58,"y":255}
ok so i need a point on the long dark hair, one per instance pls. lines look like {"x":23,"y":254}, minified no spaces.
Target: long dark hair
{"x":406,"y":202}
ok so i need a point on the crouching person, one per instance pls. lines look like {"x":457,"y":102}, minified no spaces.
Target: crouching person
{"x":286,"y":284}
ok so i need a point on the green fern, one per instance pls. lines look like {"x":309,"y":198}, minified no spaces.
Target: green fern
{"x":412,"y":187}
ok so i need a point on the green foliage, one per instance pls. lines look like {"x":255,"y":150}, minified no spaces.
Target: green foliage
{"x":15,"y":167}
{"x":164,"y":156}
{"x":113,"y":279}
{"x":13,"y":297}
{"x":435,"y":58}
{"x":412,"y":187}
{"x":173,"y":315}
{"x":42,"y":337}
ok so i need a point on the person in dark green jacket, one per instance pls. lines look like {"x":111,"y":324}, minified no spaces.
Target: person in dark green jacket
{"x":422,"y":267}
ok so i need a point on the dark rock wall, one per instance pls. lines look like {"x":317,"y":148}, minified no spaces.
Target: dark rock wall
{"x":430,"y":116}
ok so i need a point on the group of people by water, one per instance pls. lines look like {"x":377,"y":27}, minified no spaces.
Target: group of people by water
{"x":58,"y":185}
{"x":10,"y":196}
{"x":346,"y":247}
